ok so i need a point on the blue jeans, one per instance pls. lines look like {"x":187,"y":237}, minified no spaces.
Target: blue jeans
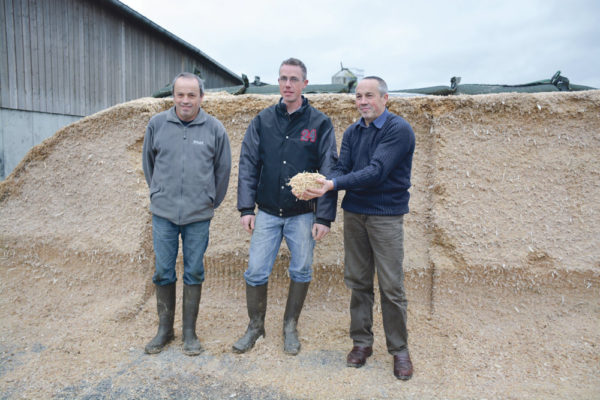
{"x":266,"y":240}
{"x":165,"y":235}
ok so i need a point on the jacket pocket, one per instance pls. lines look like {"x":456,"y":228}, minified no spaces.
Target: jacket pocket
{"x":209,"y":192}
{"x":154,"y":190}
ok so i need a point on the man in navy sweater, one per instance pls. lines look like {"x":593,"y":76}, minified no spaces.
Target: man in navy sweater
{"x":374,"y":169}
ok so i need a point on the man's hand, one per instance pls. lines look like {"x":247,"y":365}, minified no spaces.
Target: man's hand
{"x":319,"y":231}
{"x":310,"y":194}
{"x":247,"y":222}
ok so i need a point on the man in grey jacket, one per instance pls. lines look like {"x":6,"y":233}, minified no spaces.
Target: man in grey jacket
{"x":186,"y":161}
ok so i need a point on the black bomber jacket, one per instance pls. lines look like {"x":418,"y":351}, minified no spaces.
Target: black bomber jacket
{"x":277,"y":146}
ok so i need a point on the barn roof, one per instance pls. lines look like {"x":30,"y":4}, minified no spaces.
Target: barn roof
{"x":134,"y":16}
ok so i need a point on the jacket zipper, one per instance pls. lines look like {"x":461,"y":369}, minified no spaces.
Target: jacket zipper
{"x":181,"y":205}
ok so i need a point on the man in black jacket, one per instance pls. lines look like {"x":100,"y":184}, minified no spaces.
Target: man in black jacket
{"x":285,"y":139}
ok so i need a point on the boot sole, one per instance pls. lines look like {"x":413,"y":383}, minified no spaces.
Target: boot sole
{"x":240,"y":351}
{"x":355,"y":365}
{"x":237,"y":350}
{"x":156,"y":350}
{"x":192,"y":353}
{"x":195,"y":347}
{"x":293,"y":352}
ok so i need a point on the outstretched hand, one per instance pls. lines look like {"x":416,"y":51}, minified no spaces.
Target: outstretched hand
{"x":309,"y":194}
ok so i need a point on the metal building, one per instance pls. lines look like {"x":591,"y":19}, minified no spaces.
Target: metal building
{"x":345,"y":75}
{"x":61,"y":60}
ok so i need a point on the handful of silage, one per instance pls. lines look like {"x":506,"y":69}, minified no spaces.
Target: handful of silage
{"x":305,"y":180}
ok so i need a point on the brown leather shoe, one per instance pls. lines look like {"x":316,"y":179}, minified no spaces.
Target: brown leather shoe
{"x":403,"y":368}
{"x":358,"y":356}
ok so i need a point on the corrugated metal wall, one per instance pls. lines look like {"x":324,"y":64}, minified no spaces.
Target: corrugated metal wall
{"x":77,"y":57}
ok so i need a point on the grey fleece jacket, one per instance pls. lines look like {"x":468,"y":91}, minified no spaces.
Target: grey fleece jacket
{"x":186,"y":167}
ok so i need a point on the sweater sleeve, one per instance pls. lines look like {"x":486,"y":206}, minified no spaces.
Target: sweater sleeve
{"x":344,"y":163}
{"x":396,"y":142}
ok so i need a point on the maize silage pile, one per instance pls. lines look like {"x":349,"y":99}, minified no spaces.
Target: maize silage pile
{"x":502,"y":239}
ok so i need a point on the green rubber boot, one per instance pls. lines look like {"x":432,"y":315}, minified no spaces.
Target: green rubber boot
{"x":256,"y":300}
{"x":191,"y":302}
{"x":295,"y":302}
{"x":165,"y":306}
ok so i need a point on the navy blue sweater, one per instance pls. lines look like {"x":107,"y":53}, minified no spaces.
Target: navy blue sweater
{"x":374,"y":166}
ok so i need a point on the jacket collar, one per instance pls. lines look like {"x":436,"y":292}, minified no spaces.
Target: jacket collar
{"x":283,"y":108}
{"x":200,"y":118}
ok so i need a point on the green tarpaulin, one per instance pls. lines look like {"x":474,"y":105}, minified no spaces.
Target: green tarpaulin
{"x":557,"y":83}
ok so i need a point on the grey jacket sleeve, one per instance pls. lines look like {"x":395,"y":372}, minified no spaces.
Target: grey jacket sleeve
{"x":222,"y":165}
{"x":148,"y":154}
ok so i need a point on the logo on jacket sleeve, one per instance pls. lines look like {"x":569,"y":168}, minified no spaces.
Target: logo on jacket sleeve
{"x":309,"y":135}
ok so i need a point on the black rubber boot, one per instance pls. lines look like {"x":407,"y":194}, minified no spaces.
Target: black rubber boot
{"x":165,"y":306}
{"x":256,"y":300}
{"x":295,"y":302}
{"x":191,"y":302}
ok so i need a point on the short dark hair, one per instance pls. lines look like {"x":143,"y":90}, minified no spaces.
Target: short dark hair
{"x":189,"y":75}
{"x":297,"y":63}
{"x":382,"y":86}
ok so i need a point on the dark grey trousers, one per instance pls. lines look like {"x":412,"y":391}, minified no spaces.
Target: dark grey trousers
{"x":375,"y":243}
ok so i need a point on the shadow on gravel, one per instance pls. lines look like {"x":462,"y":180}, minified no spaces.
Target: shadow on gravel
{"x":170,"y":375}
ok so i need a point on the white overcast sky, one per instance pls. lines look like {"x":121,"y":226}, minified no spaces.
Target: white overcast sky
{"x":410,"y":44}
